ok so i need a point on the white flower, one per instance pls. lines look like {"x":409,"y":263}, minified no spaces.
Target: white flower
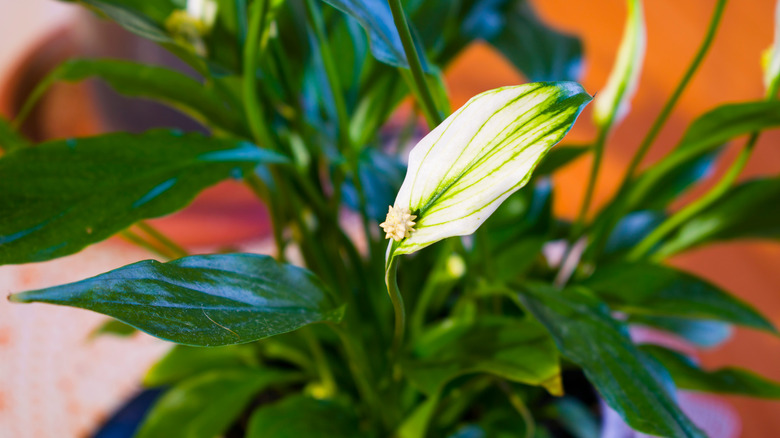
{"x":462,"y":171}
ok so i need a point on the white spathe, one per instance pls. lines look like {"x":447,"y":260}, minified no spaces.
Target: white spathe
{"x":461,"y":172}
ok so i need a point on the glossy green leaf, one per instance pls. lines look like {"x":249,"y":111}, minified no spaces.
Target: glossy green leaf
{"x":747,"y":211}
{"x":183,"y":362}
{"x":377,"y":19}
{"x":114,"y":328}
{"x":540,"y":52}
{"x":63,"y":195}
{"x":705,"y":135}
{"x":647,"y":288}
{"x":464,"y":169}
{"x":208,"y":300}
{"x":150,"y":82}
{"x":586,"y":334}
{"x":416,"y":424}
{"x":701,"y":332}
{"x":513,"y":349}
{"x":9,"y":139}
{"x":612,"y":103}
{"x":631,"y":230}
{"x":688,"y":375}
{"x":299,"y":416}
{"x":206,"y":405}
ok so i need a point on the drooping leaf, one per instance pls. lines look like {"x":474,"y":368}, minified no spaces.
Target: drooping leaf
{"x":631,"y":230}
{"x":63,"y":195}
{"x":377,"y":19}
{"x":612,"y":103}
{"x":517,"y":350}
{"x":115,"y":328}
{"x":206,"y":405}
{"x":126,"y":14}
{"x":541,"y":53}
{"x":747,"y":211}
{"x":647,"y":288}
{"x":700,"y":332}
{"x":729,"y":380}
{"x":300,"y":416}
{"x":183,"y":362}
{"x":465,"y":168}
{"x":9,"y":139}
{"x":207,"y":300}
{"x":150,"y":82}
{"x":587,"y":335}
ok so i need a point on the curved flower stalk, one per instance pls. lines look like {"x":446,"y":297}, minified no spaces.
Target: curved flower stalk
{"x":460,"y":173}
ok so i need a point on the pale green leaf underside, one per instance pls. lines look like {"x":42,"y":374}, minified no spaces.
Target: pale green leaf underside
{"x":462,"y":171}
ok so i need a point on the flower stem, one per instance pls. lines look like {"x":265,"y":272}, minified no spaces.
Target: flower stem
{"x":423,"y":92}
{"x":255,"y":43}
{"x":164,"y":240}
{"x":398,"y":307}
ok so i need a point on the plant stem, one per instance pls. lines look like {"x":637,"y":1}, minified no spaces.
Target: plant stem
{"x":255,"y":43}
{"x":321,"y":362}
{"x":520,"y":407}
{"x":426,"y":98}
{"x":143,"y":243}
{"x":600,"y":240}
{"x":258,"y":187}
{"x":175,"y":248}
{"x":398,"y":307}
{"x":598,"y":155}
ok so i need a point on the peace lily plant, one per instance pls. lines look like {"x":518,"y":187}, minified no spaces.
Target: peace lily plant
{"x":502,"y":338}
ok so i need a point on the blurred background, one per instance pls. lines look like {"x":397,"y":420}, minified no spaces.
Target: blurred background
{"x":56,"y":381}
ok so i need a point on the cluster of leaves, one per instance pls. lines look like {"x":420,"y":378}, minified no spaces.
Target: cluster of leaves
{"x":295,"y":95}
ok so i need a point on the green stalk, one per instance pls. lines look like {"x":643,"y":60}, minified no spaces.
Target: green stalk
{"x":418,"y":83}
{"x":598,"y":155}
{"x":398,"y":307}
{"x":256,"y":42}
{"x":520,"y":407}
{"x":143,"y":243}
{"x":321,"y":362}
{"x":670,"y":224}
{"x":600,"y":240}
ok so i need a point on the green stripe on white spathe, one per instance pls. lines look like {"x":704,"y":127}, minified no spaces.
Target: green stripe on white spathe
{"x":772,"y":69}
{"x":460,"y":173}
{"x":612,"y":102}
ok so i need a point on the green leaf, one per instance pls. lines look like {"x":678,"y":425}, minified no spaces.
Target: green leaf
{"x":612,"y":103}
{"x":705,"y":135}
{"x":464,"y":169}
{"x":576,"y":418}
{"x":10,"y":140}
{"x":381,"y":176}
{"x":183,"y":362}
{"x":416,"y":424}
{"x":647,"y":288}
{"x":299,"y":416}
{"x":63,"y":195}
{"x":631,"y":230}
{"x":729,"y":380}
{"x":132,"y":79}
{"x":749,"y":210}
{"x":513,"y":349}
{"x":700,"y":332}
{"x":377,"y":19}
{"x":541,"y":53}
{"x":125,"y":15}
{"x":587,"y":335}
{"x":206,"y":405}
{"x":115,"y":328}
{"x":208,"y":300}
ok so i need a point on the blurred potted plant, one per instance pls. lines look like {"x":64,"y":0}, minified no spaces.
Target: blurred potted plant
{"x":500,"y":335}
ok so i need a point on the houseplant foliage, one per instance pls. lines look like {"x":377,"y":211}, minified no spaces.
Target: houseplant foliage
{"x":482,"y":334}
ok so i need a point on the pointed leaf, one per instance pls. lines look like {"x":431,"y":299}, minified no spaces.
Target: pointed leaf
{"x":63,"y":195}
{"x":612,"y":103}
{"x":647,"y":288}
{"x":587,"y":335}
{"x":298,"y":416}
{"x":516,"y":350}
{"x":207,"y":300}
{"x":464,"y":169}
{"x":700,"y":332}
{"x":183,"y":362}
{"x":729,"y":380}
{"x":206,"y":405}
